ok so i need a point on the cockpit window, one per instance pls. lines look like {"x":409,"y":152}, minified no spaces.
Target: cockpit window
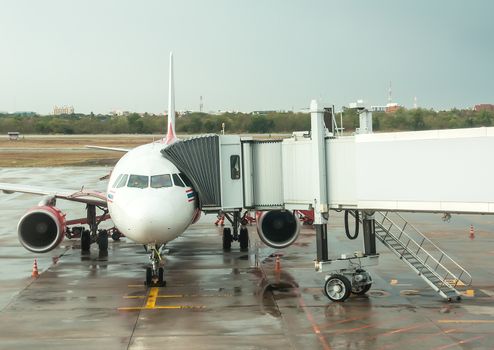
{"x":177,"y":181}
{"x":122,"y":181}
{"x":138,"y":181}
{"x":117,"y":180}
{"x":159,"y":181}
{"x":185,"y":180}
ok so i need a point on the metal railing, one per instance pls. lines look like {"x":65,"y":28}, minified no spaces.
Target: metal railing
{"x":422,"y":249}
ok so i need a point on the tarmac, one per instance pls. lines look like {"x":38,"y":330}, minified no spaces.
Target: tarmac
{"x":218,"y":300}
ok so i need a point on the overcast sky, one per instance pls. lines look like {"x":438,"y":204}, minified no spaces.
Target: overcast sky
{"x":101,"y":55}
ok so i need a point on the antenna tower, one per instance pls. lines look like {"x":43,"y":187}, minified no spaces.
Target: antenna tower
{"x":201,"y":104}
{"x":390,"y":99}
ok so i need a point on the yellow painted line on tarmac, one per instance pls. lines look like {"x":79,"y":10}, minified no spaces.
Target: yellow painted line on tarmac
{"x":151,"y":302}
{"x":469,"y":293}
{"x":134,"y":296}
{"x":180,"y":307}
{"x":166,"y":307}
{"x":193,"y":295}
{"x":465,"y":321}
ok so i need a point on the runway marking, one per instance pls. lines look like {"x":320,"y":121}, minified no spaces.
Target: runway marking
{"x":487,"y":292}
{"x":178,"y":296}
{"x":151,"y":298}
{"x":194,"y":295}
{"x":469,"y":293}
{"x":417,"y":339}
{"x":153,"y":293}
{"x":459,"y":343}
{"x":315,"y":327}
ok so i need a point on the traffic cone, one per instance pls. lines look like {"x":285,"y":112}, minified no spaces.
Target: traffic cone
{"x":217,"y":220}
{"x":222,"y":220}
{"x":277,"y":264}
{"x":472,"y":232}
{"x":35,"y":273}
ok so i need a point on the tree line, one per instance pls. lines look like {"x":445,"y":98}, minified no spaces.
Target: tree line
{"x":269,"y":122}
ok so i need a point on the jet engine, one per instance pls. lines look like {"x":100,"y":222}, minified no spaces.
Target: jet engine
{"x":278,"y":228}
{"x":41,"y":229}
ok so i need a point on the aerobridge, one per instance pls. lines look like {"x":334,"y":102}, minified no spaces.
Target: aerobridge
{"x":376,"y":175}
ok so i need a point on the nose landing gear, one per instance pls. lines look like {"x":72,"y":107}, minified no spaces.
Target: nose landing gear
{"x":155,"y":273}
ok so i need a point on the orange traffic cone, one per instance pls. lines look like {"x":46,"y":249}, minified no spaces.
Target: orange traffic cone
{"x":277,"y":264}
{"x":35,"y":273}
{"x":222,"y":220}
{"x":472,"y":232}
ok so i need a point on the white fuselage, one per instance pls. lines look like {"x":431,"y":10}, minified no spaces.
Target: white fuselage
{"x":148,"y":200}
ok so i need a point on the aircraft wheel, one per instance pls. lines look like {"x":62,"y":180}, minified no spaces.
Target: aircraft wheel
{"x":149,"y":276}
{"x":243,"y":238}
{"x":85,"y":241}
{"x":103,"y":240}
{"x":115,"y":235}
{"x":161,"y":279}
{"x":362,"y":289}
{"x":337,"y":288}
{"x":227,"y":239}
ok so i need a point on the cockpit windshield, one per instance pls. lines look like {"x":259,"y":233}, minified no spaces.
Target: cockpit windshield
{"x":159,"y":181}
{"x":122,"y":181}
{"x":138,"y":181}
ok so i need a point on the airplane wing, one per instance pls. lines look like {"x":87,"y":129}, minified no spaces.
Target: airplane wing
{"x":82,"y":195}
{"x":103,"y":148}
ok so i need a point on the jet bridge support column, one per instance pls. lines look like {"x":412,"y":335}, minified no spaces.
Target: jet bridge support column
{"x":320,"y":203}
{"x":322,"y":242}
{"x":369,"y":225}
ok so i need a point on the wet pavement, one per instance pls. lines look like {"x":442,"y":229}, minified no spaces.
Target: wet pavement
{"x":217,"y":300}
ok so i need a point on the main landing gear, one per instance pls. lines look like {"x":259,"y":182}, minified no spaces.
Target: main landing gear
{"x":155,"y":273}
{"x":240,"y":232}
{"x":93,"y":234}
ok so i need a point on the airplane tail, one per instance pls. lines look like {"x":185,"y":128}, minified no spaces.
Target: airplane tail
{"x":170,"y":135}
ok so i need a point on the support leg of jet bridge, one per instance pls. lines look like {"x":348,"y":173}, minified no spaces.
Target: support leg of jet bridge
{"x":369,"y":225}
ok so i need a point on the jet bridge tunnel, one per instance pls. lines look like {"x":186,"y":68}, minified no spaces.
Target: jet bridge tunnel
{"x":444,"y":171}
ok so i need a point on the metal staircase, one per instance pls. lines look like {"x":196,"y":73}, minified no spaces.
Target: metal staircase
{"x":435,"y":267}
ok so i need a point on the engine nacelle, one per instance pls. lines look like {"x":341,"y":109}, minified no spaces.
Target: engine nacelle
{"x":41,"y":229}
{"x":278,"y":228}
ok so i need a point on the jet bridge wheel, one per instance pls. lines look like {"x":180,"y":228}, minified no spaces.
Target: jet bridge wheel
{"x":361,"y":290}
{"x":227,"y":239}
{"x":337,"y":288}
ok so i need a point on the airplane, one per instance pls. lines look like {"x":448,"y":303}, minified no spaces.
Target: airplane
{"x":148,"y":198}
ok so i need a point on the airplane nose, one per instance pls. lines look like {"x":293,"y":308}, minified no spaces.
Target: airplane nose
{"x":146,"y":221}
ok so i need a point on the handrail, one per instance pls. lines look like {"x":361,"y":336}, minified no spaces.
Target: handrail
{"x":386,"y":217}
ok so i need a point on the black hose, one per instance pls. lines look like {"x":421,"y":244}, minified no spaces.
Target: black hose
{"x":356,"y":225}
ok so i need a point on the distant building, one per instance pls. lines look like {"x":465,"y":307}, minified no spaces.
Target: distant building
{"x":484,"y":107}
{"x":392,"y":107}
{"x":59,"y":110}
{"x":119,"y":113}
{"x":378,"y":108}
